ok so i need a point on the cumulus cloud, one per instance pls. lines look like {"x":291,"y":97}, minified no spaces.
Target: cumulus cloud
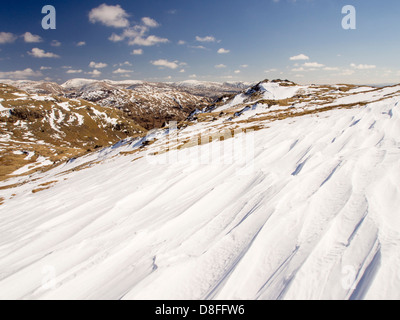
{"x":81,"y":44}
{"x":301,"y":69}
{"x":121,"y":71}
{"x":72,"y":71}
{"x":181,"y":42}
{"x":55,"y":43}
{"x":137,"y":35}
{"x":331,"y":69}
{"x":126,"y":63}
{"x":165,"y":63}
{"x":363,"y":66}
{"x":110,"y":16}
{"x":45,"y":68}
{"x":137,"y":52}
{"x":205,"y":39}
{"x":31,"y":38}
{"x":147,"y":41}
{"x":39,"y":53}
{"x":21,"y":74}
{"x":7,"y":37}
{"x":198,"y":47}
{"x":94,"y":73}
{"x":220,"y":66}
{"x":149,"y":22}
{"x":313,"y":65}
{"x":97,"y":65}
{"x":223,"y":51}
{"x":244,"y":66}
{"x":299,"y":57}
{"x":237,"y":71}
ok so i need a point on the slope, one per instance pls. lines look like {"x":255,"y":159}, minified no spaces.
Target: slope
{"x":305,"y":206}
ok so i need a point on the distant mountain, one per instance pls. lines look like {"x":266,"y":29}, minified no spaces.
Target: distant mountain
{"x":211,"y":89}
{"x":39,"y":130}
{"x":150,"y":104}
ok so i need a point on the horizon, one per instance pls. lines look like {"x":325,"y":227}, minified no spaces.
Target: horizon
{"x":175,"y":41}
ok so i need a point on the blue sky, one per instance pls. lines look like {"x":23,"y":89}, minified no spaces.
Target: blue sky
{"x":218,"y":40}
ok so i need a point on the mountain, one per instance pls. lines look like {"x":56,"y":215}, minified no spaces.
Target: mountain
{"x":283,"y":191}
{"x":37,"y":131}
{"x":40,"y":87}
{"x":149,"y":104}
{"x":211,"y":89}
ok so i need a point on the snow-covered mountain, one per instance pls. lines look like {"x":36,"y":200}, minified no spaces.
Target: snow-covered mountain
{"x":211,"y":89}
{"x":38,"y":130}
{"x":150,"y":104}
{"x":280,"y":192}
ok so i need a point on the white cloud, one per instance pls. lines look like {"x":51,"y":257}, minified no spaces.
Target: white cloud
{"x":31,"y":38}
{"x":115,"y":38}
{"x":363,"y":66}
{"x":193,"y":76}
{"x":149,"y":22}
{"x":136,"y":35}
{"x":45,"y":68}
{"x":181,"y":42}
{"x":205,"y":39}
{"x":55,"y":43}
{"x":244,"y":66}
{"x":21,"y":74}
{"x":270,"y":70}
{"x":237,"y":71}
{"x":121,"y":71}
{"x":7,"y":37}
{"x":198,"y":47}
{"x":331,"y":69}
{"x":223,"y":51}
{"x":39,"y":53}
{"x":299,"y":57}
{"x":182,"y":71}
{"x":137,"y":52}
{"x":97,"y":65}
{"x":313,"y":65}
{"x":220,"y":66}
{"x":301,"y":69}
{"x":165,"y":63}
{"x":147,"y":42}
{"x":94,"y":73}
{"x":81,"y":43}
{"x":71,"y":71}
{"x":110,"y":16}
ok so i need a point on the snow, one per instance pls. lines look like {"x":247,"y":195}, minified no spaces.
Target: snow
{"x":3,"y":109}
{"x":314,"y":217}
{"x":274,"y":91}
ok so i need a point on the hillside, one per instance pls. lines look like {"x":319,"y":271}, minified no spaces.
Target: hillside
{"x":37,"y":131}
{"x":149,"y":104}
{"x":280,"y":192}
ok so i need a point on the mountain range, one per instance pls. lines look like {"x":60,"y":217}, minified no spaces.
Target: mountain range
{"x":277,"y":191}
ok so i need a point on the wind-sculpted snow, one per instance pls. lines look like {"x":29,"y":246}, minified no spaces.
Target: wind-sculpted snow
{"x":316,"y":217}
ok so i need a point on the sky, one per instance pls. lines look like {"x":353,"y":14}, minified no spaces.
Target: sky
{"x":208,"y":40}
